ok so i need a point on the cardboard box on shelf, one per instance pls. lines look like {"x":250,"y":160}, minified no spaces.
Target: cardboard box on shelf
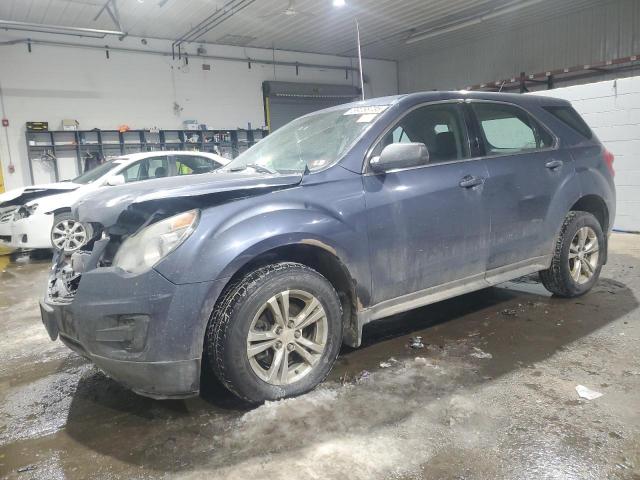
{"x":70,"y":125}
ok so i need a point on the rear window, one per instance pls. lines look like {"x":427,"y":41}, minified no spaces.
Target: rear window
{"x":572,"y":118}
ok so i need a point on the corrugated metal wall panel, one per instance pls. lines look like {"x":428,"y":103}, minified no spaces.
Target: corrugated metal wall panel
{"x":318,"y":27}
{"x":598,"y":33}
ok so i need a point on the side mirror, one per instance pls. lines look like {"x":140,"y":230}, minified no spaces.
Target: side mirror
{"x":400,"y":155}
{"x":116,"y":180}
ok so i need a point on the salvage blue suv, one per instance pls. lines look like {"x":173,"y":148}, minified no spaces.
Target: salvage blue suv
{"x":257,"y":274}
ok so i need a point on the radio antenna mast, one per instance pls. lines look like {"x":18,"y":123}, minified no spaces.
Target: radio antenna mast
{"x":360,"y":59}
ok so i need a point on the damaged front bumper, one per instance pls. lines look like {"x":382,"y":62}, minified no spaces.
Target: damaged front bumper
{"x":142,"y":330}
{"x":30,"y":232}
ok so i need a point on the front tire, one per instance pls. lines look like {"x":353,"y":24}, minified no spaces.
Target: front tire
{"x":67,"y":234}
{"x":275,"y":334}
{"x":578,"y":256}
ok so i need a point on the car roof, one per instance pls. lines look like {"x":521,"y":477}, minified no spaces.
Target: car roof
{"x":133,"y":157}
{"x":423,"y":97}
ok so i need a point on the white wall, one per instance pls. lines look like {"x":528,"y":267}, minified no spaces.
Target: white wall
{"x":612,"y":110}
{"x":55,"y":82}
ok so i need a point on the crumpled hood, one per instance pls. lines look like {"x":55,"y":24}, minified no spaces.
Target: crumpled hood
{"x":20,"y":196}
{"x":175,"y":194}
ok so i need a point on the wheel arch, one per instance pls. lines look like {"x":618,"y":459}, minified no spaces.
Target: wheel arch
{"x":596,"y":206}
{"x":59,"y":210}
{"x":323,"y":259}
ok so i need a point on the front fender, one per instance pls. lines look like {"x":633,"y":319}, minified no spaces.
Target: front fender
{"x":229,"y":236}
{"x":59,"y":203}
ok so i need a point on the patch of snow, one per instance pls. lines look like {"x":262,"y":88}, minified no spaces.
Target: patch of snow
{"x":477,"y":353}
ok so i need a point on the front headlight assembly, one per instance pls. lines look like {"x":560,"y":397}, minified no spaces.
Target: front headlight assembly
{"x":143,"y":250}
{"x":25,"y":211}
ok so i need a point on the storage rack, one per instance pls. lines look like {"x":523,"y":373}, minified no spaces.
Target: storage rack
{"x":547,"y":80}
{"x":77,"y":143}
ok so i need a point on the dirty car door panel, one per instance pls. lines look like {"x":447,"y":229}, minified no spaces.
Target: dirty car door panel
{"x":525,"y":172}
{"x":427,"y":225}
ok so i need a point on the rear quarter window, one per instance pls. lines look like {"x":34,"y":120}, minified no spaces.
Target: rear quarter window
{"x":570,"y":117}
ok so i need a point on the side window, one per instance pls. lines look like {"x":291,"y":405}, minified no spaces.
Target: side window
{"x":399,"y":136}
{"x":158,"y":167}
{"x":192,"y":164}
{"x":154,"y":167}
{"x":509,"y":129}
{"x":440,"y":127}
{"x":132,"y":173}
{"x":572,"y":118}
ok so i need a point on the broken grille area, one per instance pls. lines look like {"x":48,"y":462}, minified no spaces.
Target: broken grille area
{"x":69,"y":268}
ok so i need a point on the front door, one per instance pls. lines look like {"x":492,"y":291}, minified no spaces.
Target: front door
{"x":427,"y":225}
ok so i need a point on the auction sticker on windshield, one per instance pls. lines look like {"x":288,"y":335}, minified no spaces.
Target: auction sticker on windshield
{"x":366,"y":118}
{"x":370,"y":110}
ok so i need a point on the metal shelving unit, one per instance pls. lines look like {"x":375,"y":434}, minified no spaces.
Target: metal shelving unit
{"x":50,"y":145}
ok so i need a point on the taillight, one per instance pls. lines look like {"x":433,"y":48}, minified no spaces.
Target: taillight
{"x":608,"y":158}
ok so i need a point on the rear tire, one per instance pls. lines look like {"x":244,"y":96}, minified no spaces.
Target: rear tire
{"x":577,"y":258}
{"x":274,"y":334}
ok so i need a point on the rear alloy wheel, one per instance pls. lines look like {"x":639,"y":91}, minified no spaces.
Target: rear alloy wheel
{"x":583,"y":255}
{"x":577,"y":259}
{"x":274,"y":334}
{"x":67,"y":234}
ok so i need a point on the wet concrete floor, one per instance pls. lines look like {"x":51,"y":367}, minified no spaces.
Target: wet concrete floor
{"x":491,"y":395}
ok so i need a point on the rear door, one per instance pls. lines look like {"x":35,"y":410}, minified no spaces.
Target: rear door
{"x":194,"y":164}
{"x":427,"y":225}
{"x":526,"y":169}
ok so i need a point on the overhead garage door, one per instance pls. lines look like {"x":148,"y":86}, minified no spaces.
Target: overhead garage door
{"x":612,"y":110}
{"x":285,"y":101}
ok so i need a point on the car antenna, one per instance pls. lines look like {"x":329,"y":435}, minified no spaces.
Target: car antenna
{"x":360,"y":59}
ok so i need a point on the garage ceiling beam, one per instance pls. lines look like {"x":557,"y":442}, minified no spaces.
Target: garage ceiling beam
{"x":111,"y":8}
{"x":58,"y":29}
{"x":216,"y":18}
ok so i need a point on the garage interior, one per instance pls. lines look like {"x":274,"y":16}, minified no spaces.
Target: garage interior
{"x":475,"y":387}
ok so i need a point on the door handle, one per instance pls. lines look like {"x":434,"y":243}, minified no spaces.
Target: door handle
{"x":469,"y":181}
{"x":553,"y":164}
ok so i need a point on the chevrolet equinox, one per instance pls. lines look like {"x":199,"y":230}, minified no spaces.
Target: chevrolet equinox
{"x":257,"y":273}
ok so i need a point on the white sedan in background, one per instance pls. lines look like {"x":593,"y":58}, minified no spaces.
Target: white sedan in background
{"x":40,"y":216}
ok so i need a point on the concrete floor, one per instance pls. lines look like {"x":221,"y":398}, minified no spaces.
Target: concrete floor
{"x":492,"y":395}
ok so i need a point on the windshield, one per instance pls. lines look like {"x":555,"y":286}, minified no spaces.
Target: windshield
{"x":95,"y":173}
{"x":315,"y":141}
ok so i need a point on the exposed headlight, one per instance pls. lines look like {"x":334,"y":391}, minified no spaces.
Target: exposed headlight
{"x":143,"y":250}
{"x":25,"y":211}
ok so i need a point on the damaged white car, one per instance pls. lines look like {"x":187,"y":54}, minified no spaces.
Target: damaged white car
{"x":38,"y":217}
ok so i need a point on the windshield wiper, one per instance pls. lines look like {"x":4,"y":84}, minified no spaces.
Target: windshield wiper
{"x":255,"y":166}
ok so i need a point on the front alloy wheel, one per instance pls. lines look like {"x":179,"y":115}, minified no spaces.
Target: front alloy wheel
{"x":68,"y":234}
{"x":275,"y":333}
{"x":287,"y":337}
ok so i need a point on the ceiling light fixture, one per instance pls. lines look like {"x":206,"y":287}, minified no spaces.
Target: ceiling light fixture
{"x":339,"y":3}
{"x":491,"y":14}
